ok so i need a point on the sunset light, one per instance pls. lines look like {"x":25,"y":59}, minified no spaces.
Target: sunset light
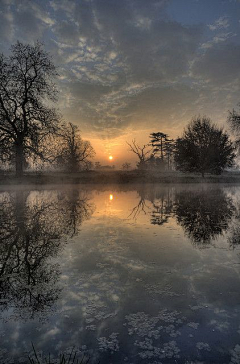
{"x":141,"y":98}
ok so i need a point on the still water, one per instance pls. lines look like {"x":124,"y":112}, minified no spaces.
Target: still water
{"x":142,"y":274}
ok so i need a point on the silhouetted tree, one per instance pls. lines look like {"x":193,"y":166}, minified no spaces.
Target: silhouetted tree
{"x":204,"y":214}
{"x":157,"y":140}
{"x":204,"y":148}
{"x":126,"y":166}
{"x":234,"y":122}
{"x":169,"y":150}
{"x":97,"y":165}
{"x":163,"y":148}
{"x":73,"y":153}
{"x":143,"y":153}
{"x":25,"y":83}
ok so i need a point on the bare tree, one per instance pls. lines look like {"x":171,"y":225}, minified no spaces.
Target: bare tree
{"x":73,"y":152}
{"x":126,"y":166}
{"x":26,"y":81}
{"x":97,"y":165}
{"x":143,"y":153}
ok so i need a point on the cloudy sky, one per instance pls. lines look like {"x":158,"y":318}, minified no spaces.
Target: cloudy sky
{"x":130,"y":67}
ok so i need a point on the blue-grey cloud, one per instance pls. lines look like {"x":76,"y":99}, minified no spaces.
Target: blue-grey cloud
{"x":124,"y":62}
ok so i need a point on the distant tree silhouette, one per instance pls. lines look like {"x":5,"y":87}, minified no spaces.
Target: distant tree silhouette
{"x":204,"y":214}
{"x":157,"y":140}
{"x":73,"y":153}
{"x":204,"y":148}
{"x":26,"y":81}
{"x":163,"y":150}
{"x":126,"y":166}
{"x":144,"y":153}
{"x":234,"y":122}
{"x":97,"y":165}
{"x":169,"y":150}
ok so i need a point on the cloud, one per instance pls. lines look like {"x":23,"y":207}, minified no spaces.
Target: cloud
{"x":67,"y":32}
{"x":114,"y":52}
{"x":219,"y":65}
{"x":221,"y":37}
{"x":6,"y":23}
{"x":125,"y":63}
{"x":221,"y":23}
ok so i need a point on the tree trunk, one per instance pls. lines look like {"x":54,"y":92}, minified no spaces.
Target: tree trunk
{"x":19,"y":159}
{"x":202,"y":174}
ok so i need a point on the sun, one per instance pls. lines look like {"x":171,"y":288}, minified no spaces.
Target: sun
{"x":110,"y":157}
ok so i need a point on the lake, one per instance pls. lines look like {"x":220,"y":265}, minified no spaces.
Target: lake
{"x":122,"y":274}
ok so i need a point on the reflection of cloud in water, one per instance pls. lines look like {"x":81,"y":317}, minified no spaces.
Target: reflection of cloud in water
{"x":31,"y":232}
{"x":131,"y":290}
{"x":204,"y":213}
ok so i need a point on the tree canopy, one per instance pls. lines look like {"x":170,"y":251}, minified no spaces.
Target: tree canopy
{"x":26,"y":83}
{"x":204,"y":148}
{"x":73,"y":153}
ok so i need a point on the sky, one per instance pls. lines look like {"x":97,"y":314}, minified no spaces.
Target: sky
{"x":131,"y":67}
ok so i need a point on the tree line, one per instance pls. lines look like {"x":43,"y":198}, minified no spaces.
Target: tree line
{"x":203,"y":148}
{"x":32,"y":131}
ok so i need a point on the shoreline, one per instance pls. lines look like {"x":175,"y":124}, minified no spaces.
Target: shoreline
{"x":115,"y":177}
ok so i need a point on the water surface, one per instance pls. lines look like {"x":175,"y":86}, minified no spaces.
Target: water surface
{"x":141,"y":274}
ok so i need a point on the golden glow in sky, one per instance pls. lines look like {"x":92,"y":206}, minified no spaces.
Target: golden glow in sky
{"x":110,"y":157}
{"x":110,"y":197}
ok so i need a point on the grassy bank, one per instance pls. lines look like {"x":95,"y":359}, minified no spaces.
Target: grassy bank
{"x":115,"y":177}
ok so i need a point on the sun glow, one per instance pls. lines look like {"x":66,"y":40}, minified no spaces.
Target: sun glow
{"x":110,"y":157}
{"x":110,"y":197}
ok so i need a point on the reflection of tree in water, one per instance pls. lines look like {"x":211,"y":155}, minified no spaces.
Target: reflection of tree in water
{"x":156,"y":202}
{"x":234,"y":238}
{"x":77,"y":208}
{"x":30,"y":234}
{"x":140,"y":207}
{"x":162,"y":208}
{"x":204,"y":214}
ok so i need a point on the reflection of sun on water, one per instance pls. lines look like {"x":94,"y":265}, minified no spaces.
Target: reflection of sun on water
{"x":110,"y":197}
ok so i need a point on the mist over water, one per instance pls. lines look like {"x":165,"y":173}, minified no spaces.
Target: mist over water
{"x":141,"y":274}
